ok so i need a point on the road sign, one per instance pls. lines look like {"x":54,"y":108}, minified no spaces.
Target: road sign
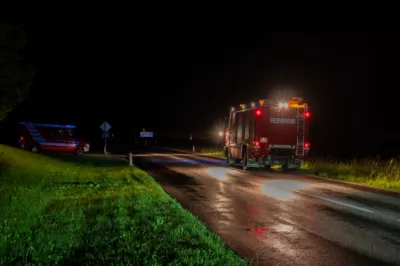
{"x":146,"y":134}
{"x":105,"y":126}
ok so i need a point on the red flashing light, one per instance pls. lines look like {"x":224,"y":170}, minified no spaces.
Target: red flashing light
{"x":307,"y":145}
{"x":258,"y":112}
{"x":307,"y":114}
{"x":21,"y":138}
{"x":257,"y":143}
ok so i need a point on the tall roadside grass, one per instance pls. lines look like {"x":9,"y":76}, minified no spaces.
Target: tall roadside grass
{"x":92,"y":210}
{"x":370,"y":171}
{"x":218,"y":152}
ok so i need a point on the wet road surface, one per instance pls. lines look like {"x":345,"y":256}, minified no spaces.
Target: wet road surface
{"x":274,"y":218}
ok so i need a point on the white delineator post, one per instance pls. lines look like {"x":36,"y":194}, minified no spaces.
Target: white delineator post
{"x":130,"y":159}
{"x":194,"y":148}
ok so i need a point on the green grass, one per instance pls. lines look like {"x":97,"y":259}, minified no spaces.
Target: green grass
{"x":373,"y":172}
{"x":95,"y":211}
{"x":212,"y":151}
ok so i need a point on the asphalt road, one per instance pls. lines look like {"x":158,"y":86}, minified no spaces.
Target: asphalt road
{"x":275,"y":218}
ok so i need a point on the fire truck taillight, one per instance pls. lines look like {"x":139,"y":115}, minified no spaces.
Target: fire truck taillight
{"x":256,"y":143}
{"x":258,"y":112}
{"x":307,"y":145}
{"x":307,"y":114}
{"x":21,"y":138}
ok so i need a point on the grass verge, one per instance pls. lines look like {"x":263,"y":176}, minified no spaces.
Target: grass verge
{"x":91,"y":210}
{"x":213,"y":152}
{"x":373,"y":172}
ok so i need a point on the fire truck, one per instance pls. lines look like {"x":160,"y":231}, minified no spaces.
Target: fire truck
{"x":36,"y":137}
{"x":268,"y":133}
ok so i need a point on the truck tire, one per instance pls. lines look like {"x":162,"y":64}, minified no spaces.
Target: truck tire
{"x":229,"y":161}
{"x":244,"y":160}
{"x":285,"y":166}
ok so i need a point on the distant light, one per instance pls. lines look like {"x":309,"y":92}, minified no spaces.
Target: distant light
{"x":253,"y":104}
{"x":220,"y":133}
{"x":233,"y":109}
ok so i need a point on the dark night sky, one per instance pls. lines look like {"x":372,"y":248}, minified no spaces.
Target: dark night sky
{"x":182,"y":75}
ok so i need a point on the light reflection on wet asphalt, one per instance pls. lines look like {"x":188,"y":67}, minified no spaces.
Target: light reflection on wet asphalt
{"x":282,"y":219}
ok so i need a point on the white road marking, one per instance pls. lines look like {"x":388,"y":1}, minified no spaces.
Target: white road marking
{"x":337,"y":202}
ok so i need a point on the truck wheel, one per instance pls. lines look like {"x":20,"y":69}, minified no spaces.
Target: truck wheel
{"x":228,"y":161}
{"x":79,"y":151}
{"x":244,"y":161}
{"x":285,"y":166}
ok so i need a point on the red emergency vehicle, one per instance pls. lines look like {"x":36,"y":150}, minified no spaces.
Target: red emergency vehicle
{"x":268,"y":133}
{"x":36,"y":137}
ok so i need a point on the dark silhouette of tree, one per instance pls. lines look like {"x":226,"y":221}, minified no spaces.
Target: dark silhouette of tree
{"x":16,"y":72}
